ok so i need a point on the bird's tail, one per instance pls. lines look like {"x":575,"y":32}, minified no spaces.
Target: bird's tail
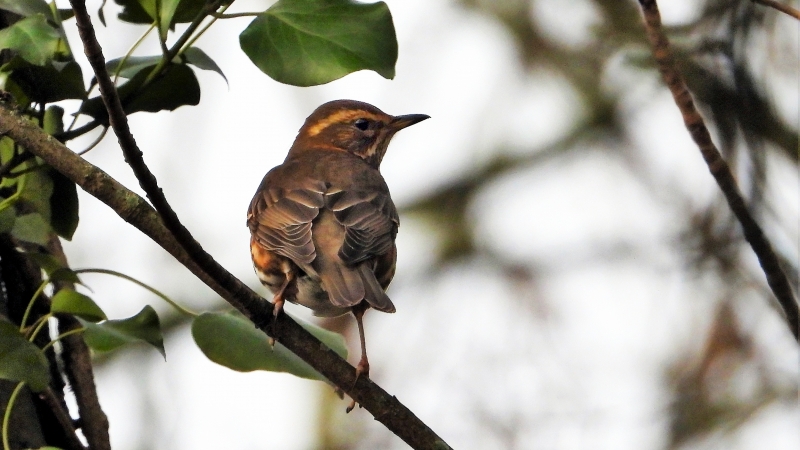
{"x":373,"y":293}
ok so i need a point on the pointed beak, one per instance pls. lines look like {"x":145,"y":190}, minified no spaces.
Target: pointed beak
{"x":400,"y":122}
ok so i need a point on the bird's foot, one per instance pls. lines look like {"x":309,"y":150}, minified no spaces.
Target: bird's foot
{"x":277,"y":307}
{"x":362,"y":369}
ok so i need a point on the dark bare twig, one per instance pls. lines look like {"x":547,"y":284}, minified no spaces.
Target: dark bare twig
{"x":63,"y":418}
{"x":786,"y":9}
{"x":136,"y":211}
{"x":776,"y":277}
{"x":78,"y":368}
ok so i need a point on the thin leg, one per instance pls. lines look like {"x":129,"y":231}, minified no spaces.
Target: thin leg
{"x":363,"y":365}
{"x":278,"y":301}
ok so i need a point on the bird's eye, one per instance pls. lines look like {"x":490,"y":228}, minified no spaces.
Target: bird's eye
{"x":361,"y":124}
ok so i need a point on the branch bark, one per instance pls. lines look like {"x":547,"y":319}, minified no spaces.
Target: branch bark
{"x":776,"y":277}
{"x":135,"y":210}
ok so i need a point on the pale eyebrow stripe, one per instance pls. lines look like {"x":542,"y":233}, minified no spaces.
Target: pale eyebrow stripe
{"x":339,"y":116}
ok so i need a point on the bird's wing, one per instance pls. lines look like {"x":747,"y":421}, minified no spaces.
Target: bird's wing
{"x":280,"y":219}
{"x":370,"y":220}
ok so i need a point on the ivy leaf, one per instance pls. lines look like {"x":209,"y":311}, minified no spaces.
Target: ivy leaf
{"x":31,"y":228}
{"x":63,"y":205}
{"x":229,"y":339}
{"x":21,"y":360}
{"x":72,"y":302}
{"x":50,"y":83}
{"x":37,"y":190}
{"x":178,"y":86}
{"x":53,"y":268}
{"x":133,"y":65}
{"x":311,"y":42}
{"x":112,"y":334}
{"x":53,"y":120}
{"x":33,"y":38}
{"x":170,"y":11}
{"x":26,"y":8}
{"x":7,"y":218}
{"x":201,"y":60}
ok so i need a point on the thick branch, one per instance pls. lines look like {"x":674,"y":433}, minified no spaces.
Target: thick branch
{"x":135,"y":210}
{"x":776,"y":277}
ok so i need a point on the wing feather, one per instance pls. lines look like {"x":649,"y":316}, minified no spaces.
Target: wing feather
{"x":280,"y":219}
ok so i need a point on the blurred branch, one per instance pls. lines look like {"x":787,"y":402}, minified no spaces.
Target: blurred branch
{"x":786,"y":9}
{"x":776,"y":278}
{"x":136,"y":211}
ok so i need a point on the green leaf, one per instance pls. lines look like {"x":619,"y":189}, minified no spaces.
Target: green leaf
{"x":133,"y":65}
{"x":20,"y":360}
{"x":201,"y":60}
{"x":66,"y":14}
{"x":6,"y":149}
{"x":63,"y":205}
{"x":65,"y":274}
{"x":311,"y":42}
{"x":167,"y":9}
{"x":177,"y":87}
{"x":50,"y":83}
{"x":112,"y":334}
{"x":53,"y":120}
{"x":26,"y":7}
{"x":232,"y":341}
{"x":71,"y":302}
{"x":171,"y":11}
{"x":31,"y":228}
{"x":46,"y":262}
{"x":53,"y":268}
{"x":33,"y":38}
{"x":37,"y":190}
{"x":133,"y":12}
{"x":7,"y":218}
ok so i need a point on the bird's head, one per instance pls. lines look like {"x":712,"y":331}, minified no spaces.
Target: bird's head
{"x":355,"y":127}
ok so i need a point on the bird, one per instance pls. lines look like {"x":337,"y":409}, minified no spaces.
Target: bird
{"x":323,"y":224}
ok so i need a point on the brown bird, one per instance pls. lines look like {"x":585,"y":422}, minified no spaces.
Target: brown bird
{"x":323,"y":224}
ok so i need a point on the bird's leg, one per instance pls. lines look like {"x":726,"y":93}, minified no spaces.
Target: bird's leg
{"x":278,"y":300}
{"x":363,"y":365}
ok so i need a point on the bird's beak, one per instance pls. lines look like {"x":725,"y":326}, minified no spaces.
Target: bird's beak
{"x":400,"y":122}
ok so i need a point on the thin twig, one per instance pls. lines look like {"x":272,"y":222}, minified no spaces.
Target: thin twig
{"x":776,"y":277}
{"x":80,"y":131}
{"x":234,"y":15}
{"x":786,"y":9}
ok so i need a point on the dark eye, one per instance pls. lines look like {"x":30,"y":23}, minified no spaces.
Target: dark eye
{"x":361,"y":124}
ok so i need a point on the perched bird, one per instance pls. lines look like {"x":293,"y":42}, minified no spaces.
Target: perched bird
{"x":323,"y":224}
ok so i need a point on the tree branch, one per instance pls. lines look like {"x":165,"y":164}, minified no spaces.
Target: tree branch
{"x":78,"y":368}
{"x":63,"y":418}
{"x":135,"y":210}
{"x":776,"y":277}
{"x":786,"y":9}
